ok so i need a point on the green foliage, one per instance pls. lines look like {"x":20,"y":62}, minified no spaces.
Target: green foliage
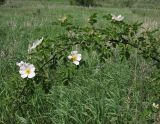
{"x":2,"y":2}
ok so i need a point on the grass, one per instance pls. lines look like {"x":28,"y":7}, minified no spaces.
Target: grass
{"x":116,"y":92}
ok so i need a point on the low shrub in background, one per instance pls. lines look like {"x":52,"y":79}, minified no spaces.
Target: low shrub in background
{"x":2,"y":2}
{"x":83,"y":2}
{"x":128,"y":3}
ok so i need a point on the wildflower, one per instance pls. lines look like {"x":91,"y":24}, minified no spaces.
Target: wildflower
{"x":26,"y":70}
{"x":117,"y":18}
{"x":35,"y":44}
{"x":75,"y":57}
{"x":155,"y":105}
{"x":63,"y":19}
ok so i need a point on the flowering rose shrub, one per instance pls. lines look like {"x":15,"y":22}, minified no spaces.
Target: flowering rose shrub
{"x":55,"y":61}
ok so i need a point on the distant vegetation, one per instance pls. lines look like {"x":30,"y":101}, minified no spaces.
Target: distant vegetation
{"x":117,"y":3}
{"x":2,"y":2}
{"x":83,"y":2}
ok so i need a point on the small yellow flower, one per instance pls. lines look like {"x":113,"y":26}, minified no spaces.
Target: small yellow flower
{"x":75,"y":57}
{"x":63,"y":19}
{"x":155,"y":105}
{"x":26,"y":70}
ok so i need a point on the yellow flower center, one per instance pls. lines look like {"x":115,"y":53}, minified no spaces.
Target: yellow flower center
{"x":74,"y":58}
{"x":27,"y":71}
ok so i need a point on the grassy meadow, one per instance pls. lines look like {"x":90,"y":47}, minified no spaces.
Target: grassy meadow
{"x":117,"y":92}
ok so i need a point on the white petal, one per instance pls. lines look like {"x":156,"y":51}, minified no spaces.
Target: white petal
{"x":35,"y":44}
{"x":31,"y":66}
{"x":31,"y":75}
{"x":29,"y":48}
{"x":23,"y":68}
{"x":24,"y":75}
{"x":69,"y":57}
{"x":22,"y":72}
{"x":41,"y":39}
{"x":20,"y":63}
{"x":74,"y":52}
{"x":122,"y":18}
{"x":78,"y":57}
{"x":33,"y":69}
{"x":76,"y":62}
{"x":119,"y":16}
{"x":38,"y":42}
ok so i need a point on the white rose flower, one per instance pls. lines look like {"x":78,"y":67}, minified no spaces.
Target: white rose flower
{"x":155,"y":105}
{"x":75,"y":57}
{"x":34,"y":44}
{"x":62,"y":19}
{"x":26,"y":70}
{"x":117,"y":18}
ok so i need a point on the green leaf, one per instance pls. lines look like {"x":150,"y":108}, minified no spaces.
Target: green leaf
{"x":23,"y":120}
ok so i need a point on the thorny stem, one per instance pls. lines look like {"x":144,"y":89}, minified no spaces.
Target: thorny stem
{"x":68,"y":45}
{"x":135,"y":46}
